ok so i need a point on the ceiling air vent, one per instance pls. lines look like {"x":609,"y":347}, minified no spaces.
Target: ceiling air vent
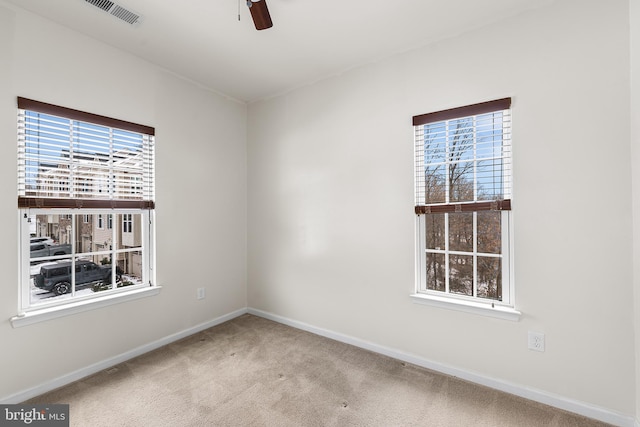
{"x":117,"y":10}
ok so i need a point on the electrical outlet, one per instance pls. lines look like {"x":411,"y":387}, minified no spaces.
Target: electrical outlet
{"x":536,"y":341}
{"x":200,"y":294}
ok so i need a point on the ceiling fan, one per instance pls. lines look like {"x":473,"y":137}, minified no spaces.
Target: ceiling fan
{"x":260,"y":14}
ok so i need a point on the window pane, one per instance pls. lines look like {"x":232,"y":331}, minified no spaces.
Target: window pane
{"x":490,"y":180}
{"x":50,"y":281}
{"x":435,"y":143}
{"x":435,"y":231}
{"x":461,"y":182}
{"x":435,"y":272}
{"x":129,"y":231}
{"x":489,"y":232}
{"x":84,"y":233}
{"x":130,"y":268}
{"x":461,"y":231}
{"x":461,"y":274}
{"x":461,"y":139}
{"x":489,"y":135}
{"x":490,"y":278}
{"x":435,"y":179}
{"x":52,"y":237}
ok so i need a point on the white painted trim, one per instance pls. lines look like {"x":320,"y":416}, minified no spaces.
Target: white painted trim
{"x":47,"y":313}
{"x":483,"y":309}
{"x":560,"y":402}
{"x":107,"y":363}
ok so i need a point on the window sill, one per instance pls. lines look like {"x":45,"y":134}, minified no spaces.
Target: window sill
{"x":482,"y":309}
{"x":48,"y":313}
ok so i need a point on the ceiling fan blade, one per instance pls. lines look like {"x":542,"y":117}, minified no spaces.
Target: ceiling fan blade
{"x":260,"y":14}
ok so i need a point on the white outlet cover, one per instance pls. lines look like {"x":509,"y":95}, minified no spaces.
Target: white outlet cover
{"x":536,"y":341}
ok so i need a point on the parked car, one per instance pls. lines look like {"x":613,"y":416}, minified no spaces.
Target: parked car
{"x":42,"y":249}
{"x":42,"y":239}
{"x":57,"y":277}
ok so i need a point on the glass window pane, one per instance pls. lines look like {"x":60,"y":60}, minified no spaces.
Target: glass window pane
{"x":461,"y":182}
{"x":51,"y":237}
{"x":89,"y":275}
{"x":435,"y":272}
{"x":435,"y":180}
{"x":51,"y":280}
{"x":435,"y":231}
{"x":489,"y":135}
{"x":435,"y":143}
{"x":490,"y":179}
{"x":490,"y":278}
{"x":461,"y":139}
{"x":461,"y":231}
{"x":489,"y":232}
{"x":129,"y":231}
{"x":129,"y":268}
{"x":461,"y":274}
{"x":85,"y":231}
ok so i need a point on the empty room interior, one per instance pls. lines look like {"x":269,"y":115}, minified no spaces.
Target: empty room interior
{"x":451,"y":184}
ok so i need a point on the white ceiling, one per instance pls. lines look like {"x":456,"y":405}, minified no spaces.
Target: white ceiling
{"x":310,"y":40}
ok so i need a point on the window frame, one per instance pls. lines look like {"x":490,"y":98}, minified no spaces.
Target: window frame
{"x":504,"y":308}
{"x":78,"y":207}
{"x":422,"y":294}
{"x":148,"y":259}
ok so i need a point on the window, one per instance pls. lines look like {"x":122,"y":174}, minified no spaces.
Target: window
{"x":73,"y":166}
{"x":463,"y":203}
{"x":127,"y":223}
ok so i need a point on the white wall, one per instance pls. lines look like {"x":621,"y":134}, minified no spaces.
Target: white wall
{"x":201,"y":230}
{"x":330,"y":192}
{"x":331,"y":228}
{"x":634,"y":24}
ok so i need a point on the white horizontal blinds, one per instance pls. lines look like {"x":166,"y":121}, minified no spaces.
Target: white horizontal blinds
{"x":419,"y":172}
{"x":148,"y":167}
{"x":464,"y":160}
{"x":37,"y":158}
{"x":65,"y":158}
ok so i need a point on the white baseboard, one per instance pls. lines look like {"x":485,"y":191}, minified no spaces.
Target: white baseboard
{"x":570,"y":405}
{"x":97,"y":367}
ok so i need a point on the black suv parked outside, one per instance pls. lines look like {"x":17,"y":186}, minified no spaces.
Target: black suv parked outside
{"x":57,"y":277}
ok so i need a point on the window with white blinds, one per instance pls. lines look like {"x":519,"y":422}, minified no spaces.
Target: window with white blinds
{"x":463,"y":191}
{"x":86,"y":208}
{"x":67,"y":158}
{"x":463,"y":158}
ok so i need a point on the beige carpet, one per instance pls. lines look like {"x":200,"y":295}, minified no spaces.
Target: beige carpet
{"x":254,"y":372}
